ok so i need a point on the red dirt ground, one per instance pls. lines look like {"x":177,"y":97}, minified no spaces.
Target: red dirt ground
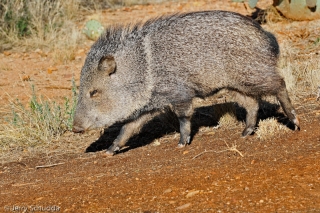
{"x":277,"y":175}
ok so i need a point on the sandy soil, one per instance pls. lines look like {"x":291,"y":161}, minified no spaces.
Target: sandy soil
{"x":218,"y":172}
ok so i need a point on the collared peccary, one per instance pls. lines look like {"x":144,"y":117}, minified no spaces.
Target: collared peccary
{"x":132,"y":73}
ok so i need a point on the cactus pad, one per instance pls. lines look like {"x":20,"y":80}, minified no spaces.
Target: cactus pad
{"x":93,"y":29}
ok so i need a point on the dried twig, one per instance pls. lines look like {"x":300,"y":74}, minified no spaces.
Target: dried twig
{"x":233,"y":148}
{"x":50,"y":165}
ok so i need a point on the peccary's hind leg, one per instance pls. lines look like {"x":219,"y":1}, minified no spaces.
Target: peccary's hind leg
{"x":252,"y":106}
{"x":128,"y":130}
{"x":286,"y":105}
{"x":184,"y":112}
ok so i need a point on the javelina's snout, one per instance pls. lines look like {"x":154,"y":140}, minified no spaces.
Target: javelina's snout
{"x":77,"y":129}
{"x":78,"y":126}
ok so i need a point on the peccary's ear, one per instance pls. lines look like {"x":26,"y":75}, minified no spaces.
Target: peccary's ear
{"x":107,"y":64}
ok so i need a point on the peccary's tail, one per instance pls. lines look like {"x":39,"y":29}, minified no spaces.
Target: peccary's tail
{"x":273,"y":44}
{"x":286,"y":105}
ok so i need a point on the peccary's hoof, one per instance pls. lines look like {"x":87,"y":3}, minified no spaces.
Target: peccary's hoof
{"x":296,"y":123}
{"x":247,"y":131}
{"x":109,"y":153}
{"x":112,"y":150}
{"x":184,"y":143}
{"x":181,"y":145}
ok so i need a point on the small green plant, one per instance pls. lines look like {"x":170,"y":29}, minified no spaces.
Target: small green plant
{"x":317,"y":41}
{"x":15,"y":18}
{"x":41,"y":120}
{"x":70,"y":109}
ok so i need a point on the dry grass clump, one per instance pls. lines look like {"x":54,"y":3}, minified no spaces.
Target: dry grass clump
{"x":300,"y":56}
{"x":299,"y":52}
{"x":96,"y":4}
{"x":49,"y":25}
{"x":44,"y":24}
{"x":228,"y":121}
{"x":42,"y":121}
{"x":43,"y":20}
{"x":270,"y":128}
{"x":269,"y":15}
{"x":226,"y":115}
{"x":302,"y":75}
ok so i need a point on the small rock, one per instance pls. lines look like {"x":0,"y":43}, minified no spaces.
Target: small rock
{"x":156,"y":143}
{"x":26,"y":78}
{"x":185,"y":152}
{"x":192,"y":193}
{"x":184,"y":206}
{"x":41,"y":53}
{"x":6,"y":53}
{"x":127,"y":9}
{"x":51,"y":69}
{"x":167,"y":191}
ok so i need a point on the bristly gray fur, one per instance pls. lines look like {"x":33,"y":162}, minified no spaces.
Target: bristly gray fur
{"x":134,"y":71}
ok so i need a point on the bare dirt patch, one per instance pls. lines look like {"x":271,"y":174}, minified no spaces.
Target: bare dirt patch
{"x":218,"y":172}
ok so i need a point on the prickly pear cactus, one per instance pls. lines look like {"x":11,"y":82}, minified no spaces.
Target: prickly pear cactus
{"x":252,"y":3}
{"x":293,"y":9}
{"x":299,"y":9}
{"x":311,"y":3}
{"x":93,"y":29}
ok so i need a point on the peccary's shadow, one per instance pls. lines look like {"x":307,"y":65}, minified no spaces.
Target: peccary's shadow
{"x":166,"y":123}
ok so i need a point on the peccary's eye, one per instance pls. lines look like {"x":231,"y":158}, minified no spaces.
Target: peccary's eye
{"x":93,"y":93}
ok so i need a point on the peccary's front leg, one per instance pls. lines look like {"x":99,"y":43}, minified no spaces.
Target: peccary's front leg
{"x":128,"y":130}
{"x":184,"y":112}
{"x":185,"y":131}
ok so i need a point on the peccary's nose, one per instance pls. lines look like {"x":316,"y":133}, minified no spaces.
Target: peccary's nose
{"x":77,"y":129}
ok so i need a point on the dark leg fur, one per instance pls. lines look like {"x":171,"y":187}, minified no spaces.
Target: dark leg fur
{"x":185,"y":131}
{"x":184,"y":112}
{"x":128,"y":130}
{"x":286,"y":105}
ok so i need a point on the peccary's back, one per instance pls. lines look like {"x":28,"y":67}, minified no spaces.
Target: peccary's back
{"x":197,"y":53}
